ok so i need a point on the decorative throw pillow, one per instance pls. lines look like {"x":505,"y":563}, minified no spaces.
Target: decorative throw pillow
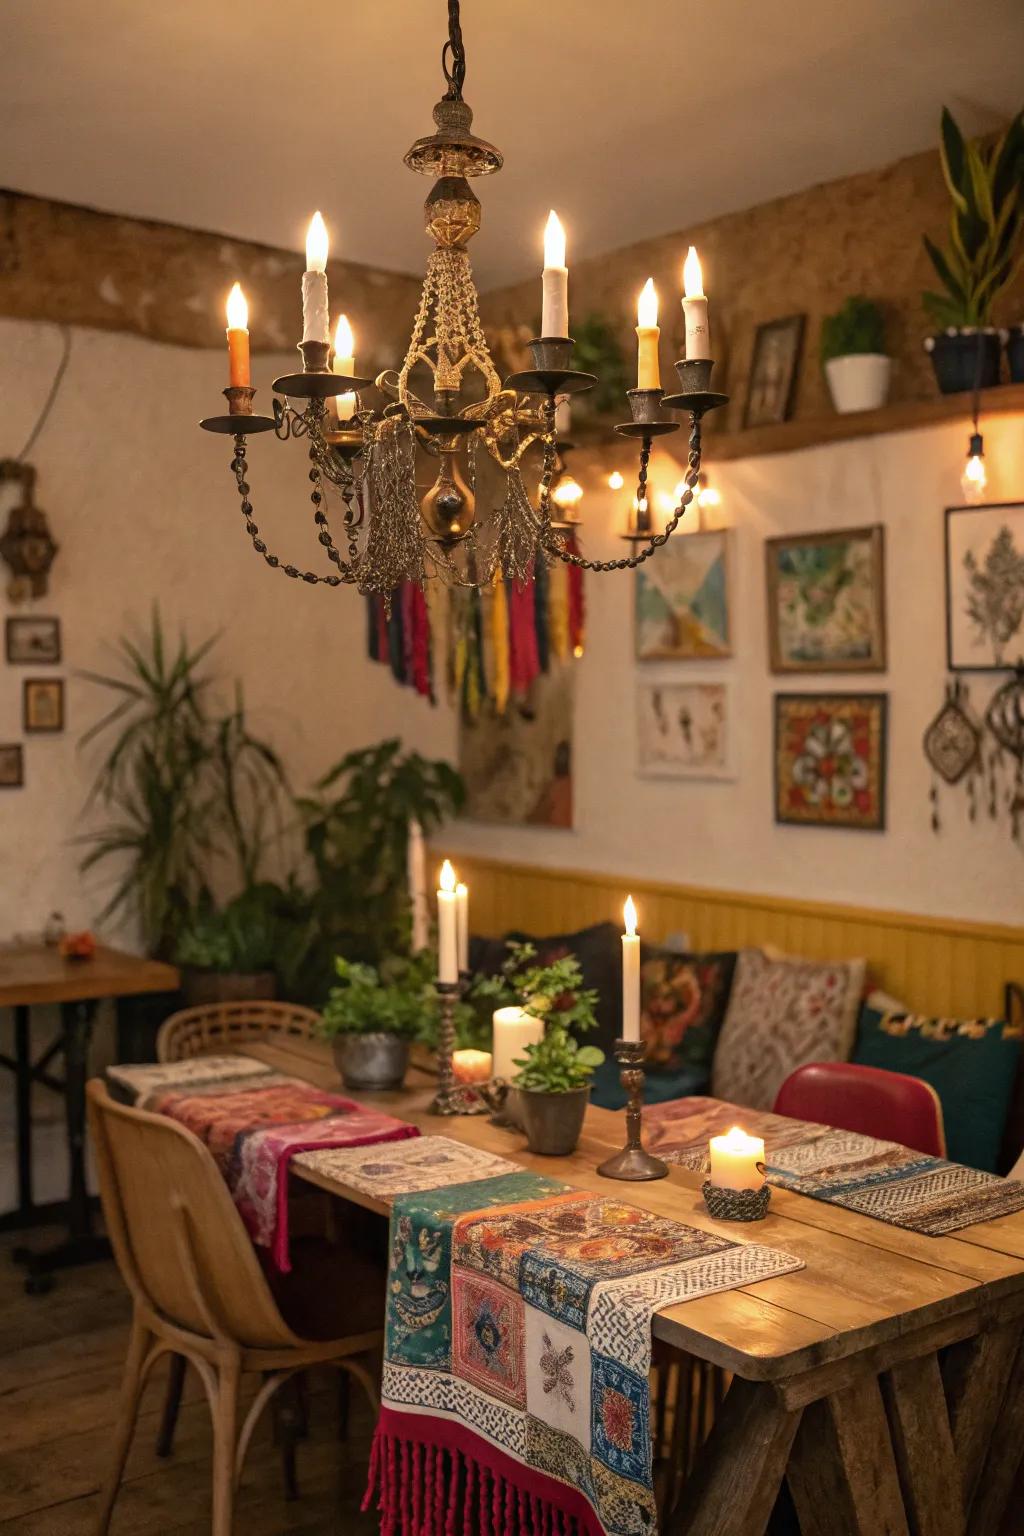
{"x":971,"y":1064}
{"x":683,"y":999}
{"x":781,"y":1014}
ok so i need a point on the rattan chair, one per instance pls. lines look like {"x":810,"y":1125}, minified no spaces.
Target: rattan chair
{"x":214,"y":1027}
{"x":198,"y":1290}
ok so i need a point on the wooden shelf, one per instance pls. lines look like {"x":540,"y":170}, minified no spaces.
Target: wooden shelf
{"x":902,"y":416}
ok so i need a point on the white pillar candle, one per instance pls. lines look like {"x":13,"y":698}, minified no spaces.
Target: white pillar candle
{"x":416,"y":876}
{"x":695,"y":309}
{"x":555,"y":309}
{"x":447,"y":937}
{"x":737,"y":1160}
{"x":344,"y":363}
{"x":315,"y":321}
{"x":630,"y":974}
{"x":462,"y":924}
{"x":514,"y":1029}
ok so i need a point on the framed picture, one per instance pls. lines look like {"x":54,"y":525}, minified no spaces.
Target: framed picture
{"x":32,"y":641}
{"x":985,"y":587}
{"x":830,"y":751}
{"x":826,"y":601}
{"x":773,"y":370}
{"x":684,"y":730}
{"x":12,"y":765}
{"x":43,"y":704}
{"x":682,"y":600}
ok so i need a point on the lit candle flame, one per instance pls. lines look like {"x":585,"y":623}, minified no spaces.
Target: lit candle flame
{"x":629,"y":917}
{"x":237,"y":309}
{"x":344,"y":341}
{"x":554,"y":241}
{"x":447,"y":881}
{"x":461,"y":890}
{"x":316,"y":244}
{"x":647,"y":306}
{"x":567,"y":493}
{"x":615,"y":481}
{"x":693,"y":280}
{"x":737,"y":1140}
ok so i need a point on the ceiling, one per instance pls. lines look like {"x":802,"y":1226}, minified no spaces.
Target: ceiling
{"x":632,"y":119}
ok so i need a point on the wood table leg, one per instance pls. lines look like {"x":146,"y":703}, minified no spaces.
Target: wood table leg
{"x":975,"y":1374}
{"x":739,"y":1470}
{"x":923,"y":1443}
{"x":842,"y":1473}
{"x":1004,"y":1459}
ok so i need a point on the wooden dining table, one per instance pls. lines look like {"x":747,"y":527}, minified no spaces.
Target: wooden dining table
{"x":884,"y":1381}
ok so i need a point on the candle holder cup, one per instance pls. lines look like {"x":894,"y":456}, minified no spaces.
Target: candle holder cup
{"x":317,"y":381}
{"x":634,"y":1162}
{"x":240,"y":420}
{"x":647,"y":422}
{"x":736,"y":1204}
{"x":552,"y":372}
{"x":452,"y":1098}
{"x":695,"y":392}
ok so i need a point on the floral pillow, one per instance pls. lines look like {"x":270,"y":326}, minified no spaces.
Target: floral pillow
{"x":683,"y":999}
{"x":783,"y":1013}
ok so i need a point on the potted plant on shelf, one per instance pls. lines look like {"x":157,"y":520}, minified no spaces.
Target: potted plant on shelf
{"x":254,"y":947}
{"x":374,"y":1015}
{"x":853,"y":356}
{"x":986,"y":226}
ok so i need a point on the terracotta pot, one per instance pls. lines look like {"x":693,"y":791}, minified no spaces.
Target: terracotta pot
{"x":858,"y":382}
{"x":375,"y":1061}
{"x":200,"y":986}
{"x":955,"y":359}
{"x":552,"y":1121}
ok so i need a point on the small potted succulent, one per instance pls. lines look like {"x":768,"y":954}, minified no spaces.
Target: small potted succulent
{"x":373,"y":1016}
{"x":552,"y":1085}
{"x":853,"y":356}
{"x":986,"y":229}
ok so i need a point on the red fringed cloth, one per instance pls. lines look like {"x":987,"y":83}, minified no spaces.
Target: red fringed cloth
{"x":524,"y":665}
{"x":515,"y":1397}
{"x":253,"y":1133}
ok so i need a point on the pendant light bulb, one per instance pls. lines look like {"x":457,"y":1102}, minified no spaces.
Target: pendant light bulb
{"x":974,"y":478}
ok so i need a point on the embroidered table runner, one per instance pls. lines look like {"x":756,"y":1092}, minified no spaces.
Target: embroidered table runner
{"x":136,"y":1084}
{"x":877,"y":1178}
{"x":429,"y":1162}
{"x":518,"y":1344}
{"x":254,"y":1125}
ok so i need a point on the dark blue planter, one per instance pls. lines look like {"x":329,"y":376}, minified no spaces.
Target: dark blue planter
{"x":955,"y":360}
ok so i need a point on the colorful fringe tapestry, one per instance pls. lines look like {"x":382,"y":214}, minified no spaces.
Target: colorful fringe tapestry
{"x":517,"y":1351}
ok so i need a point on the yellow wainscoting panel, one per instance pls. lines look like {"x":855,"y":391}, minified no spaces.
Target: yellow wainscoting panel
{"x":935,"y":965}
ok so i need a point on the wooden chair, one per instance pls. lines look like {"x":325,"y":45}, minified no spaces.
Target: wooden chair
{"x":889,"y":1105}
{"x":198,"y":1290}
{"x":214,"y":1027}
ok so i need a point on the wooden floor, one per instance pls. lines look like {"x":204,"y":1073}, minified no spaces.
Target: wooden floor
{"x":60,"y":1370}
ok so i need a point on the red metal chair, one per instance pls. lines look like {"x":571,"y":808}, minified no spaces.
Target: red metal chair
{"x":889,"y":1105}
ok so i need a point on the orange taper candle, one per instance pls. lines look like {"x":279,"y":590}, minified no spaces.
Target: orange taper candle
{"x":238,"y":339}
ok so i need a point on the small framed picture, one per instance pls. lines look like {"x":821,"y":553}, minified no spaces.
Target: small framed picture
{"x":682,"y":600}
{"x":830,"y":752}
{"x":43,"y":704}
{"x":826,"y":601}
{"x":773,"y":370}
{"x":985,"y":587}
{"x":684,"y":730}
{"x":12,"y":765}
{"x":32,"y":641}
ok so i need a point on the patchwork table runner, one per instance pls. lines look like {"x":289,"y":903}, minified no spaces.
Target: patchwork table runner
{"x":878,"y":1178}
{"x":518,"y":1344}
{"x":254,"y":1125}
{"x":135,"y":1084}
{"x":429,"y":1162}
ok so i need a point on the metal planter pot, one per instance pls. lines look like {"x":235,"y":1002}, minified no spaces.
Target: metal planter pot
{"x":371,"y":1061}
{"x":552,"y":1121}
{"x":955,"y":358}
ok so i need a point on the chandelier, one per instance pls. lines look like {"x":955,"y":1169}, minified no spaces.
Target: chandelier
{"x":447,"y":405}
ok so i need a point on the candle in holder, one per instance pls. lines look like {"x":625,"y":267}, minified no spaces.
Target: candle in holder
{"x":470,"y":1066}
{"x":344,"y":363}
{"x":630,"y":974}
{"x":555,"y":309}
{"x":737,"y":1160}
{"x":447,"y":934}
{"x":648,"y":372}
{"x":695,"y":309}
{"x":315,"y":322}
{"x":514,"y":1029}
{"x":462,"y":925}
{"x":238,"y":339}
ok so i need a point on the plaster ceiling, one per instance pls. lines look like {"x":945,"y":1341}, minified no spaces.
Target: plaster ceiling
{"x":241,"y":116}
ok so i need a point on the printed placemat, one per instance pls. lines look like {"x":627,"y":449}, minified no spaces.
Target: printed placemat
{"x":135,"y":1083}
{"x":405,"y":1167}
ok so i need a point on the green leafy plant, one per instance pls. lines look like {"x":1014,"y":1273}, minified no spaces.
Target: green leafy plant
{"x":857,"y":327}
{"x":267,"y":927}
{"x":557,"y":1063}
{"x":986,"y":223}
{"x":554,"y":993}
{"x":597,"y":351}
{"x":396,"y":999}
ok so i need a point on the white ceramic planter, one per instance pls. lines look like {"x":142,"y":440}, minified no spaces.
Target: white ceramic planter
{"x":859,"y":382}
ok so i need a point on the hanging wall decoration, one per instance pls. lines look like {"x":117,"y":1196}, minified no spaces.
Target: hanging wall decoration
{"x":26,"y":546}
{"x":952,"y":745}
{"x":1005,"y":720}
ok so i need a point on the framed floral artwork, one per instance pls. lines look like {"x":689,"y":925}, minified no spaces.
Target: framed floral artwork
{"x":684,"y":730}
{"x":830,"y":759}
{"x":985,"y":587}
{"x":773,"y":370}
{"x":826,"y":601}
{"x":682,"y":600}
{"x":43,"y":704}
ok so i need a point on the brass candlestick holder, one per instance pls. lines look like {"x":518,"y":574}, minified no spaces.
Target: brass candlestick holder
{"x":452,"y":1098}
{"x":634,"y":1161}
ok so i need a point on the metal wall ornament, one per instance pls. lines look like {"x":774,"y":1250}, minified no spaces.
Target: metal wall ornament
{"x":952,"y":745}
{"x":461,"y":415}
{"x":26,"y":546}
{"x":1005,"y":720}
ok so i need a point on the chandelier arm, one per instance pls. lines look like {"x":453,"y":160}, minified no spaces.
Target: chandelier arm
{"x":239,"y":468}
{"x":629,"y":563}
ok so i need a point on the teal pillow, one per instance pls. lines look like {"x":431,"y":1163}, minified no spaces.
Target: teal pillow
{"x":607,"y":1091}
{"x":971,"y":1064}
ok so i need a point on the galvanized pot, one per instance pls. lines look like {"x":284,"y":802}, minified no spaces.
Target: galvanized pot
{"x":552,"y":1121}
{"x":371,"y":1061}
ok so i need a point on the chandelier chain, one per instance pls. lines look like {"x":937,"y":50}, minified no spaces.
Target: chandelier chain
{"x":454,"y":49}
{"x":240,"y":468}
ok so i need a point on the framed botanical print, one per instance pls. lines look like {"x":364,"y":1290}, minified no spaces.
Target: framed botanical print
{"x":683,"y":597}
{"x":32,"y":641}
{"x":43,"y":704}
{"x":985,"y":587}
{"x":12,"y":765}
{"x":830,"y":759}
{"x":826,"y":601}
{"x":685,"y":729}
{"x":773,"y":370}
